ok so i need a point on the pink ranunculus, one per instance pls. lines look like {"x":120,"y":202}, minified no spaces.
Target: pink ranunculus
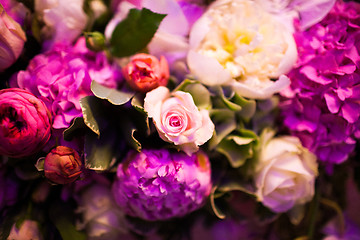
{"x":177,"y":119}
{"x":145,"y":72}
{"x":12,"y":39}
{"x":25,"y":123}
{"x":62,"y":165}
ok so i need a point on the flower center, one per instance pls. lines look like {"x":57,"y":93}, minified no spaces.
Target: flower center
{"x":175,"y":121}
{"x":11,"y":123}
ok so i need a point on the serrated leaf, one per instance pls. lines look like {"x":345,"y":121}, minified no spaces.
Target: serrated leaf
{"x":138,"y":102}
{"x":89,"y":111}
{"x":100,"y":153}
{"x":112,"y":95}
{"x":135,"y":143}
{"x":77,"y":124}
{"x":134,"y":32}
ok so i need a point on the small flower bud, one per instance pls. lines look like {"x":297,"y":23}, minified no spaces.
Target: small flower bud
{"x":145,"y":72}
{"x":62,"y":165}
{"x":95,"y":41}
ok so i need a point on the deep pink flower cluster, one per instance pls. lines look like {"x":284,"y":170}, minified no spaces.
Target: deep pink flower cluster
{"x":322,"y":105}
{"x":63,"y":75}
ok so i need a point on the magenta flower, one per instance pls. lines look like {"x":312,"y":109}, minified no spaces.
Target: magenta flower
{"x":62,"y":76}
{"x":25,"y":123}
{"x":158,"y":184}
{"x":322,"y":105}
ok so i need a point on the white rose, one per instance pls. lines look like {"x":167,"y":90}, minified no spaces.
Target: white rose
{"x":64,"y":20}
{"x":285,"y":175}
{"x":240,"y":44}
{"x":177,"y":119}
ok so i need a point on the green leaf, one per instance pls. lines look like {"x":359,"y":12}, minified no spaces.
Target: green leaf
{"x":296,"y":214}
{"x":138,"y":102}
{"x":199,"y":92}
{"x":77,"y":125}
{"x":60,"y":214}
{"x":238,"y":148}
{"x":134,"y":32}
{"x":225,"y":123}
{"x":100,"y":152}
{"x":112,"y":95}
{"x":230,"y":186}
{"x":91,"y":110}
{"x":40,"y":164}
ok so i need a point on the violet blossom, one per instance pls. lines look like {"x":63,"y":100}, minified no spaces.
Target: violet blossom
{"x":159,"y":184}
{"x":63,"y":75}
{"x":322,"y":105}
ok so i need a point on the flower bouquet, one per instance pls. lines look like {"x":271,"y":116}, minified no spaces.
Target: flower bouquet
{"x":179,"y":119}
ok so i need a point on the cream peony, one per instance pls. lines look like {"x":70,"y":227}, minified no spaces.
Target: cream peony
{"x":177,"y":119}
{"x":240,"y":44}
{"x":64,"y":20}
{"x":285,"y":175}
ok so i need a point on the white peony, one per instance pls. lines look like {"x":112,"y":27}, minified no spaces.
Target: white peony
{"x":64,"y":20}
{"x":285,"y":175}
{"x":240,"y":44}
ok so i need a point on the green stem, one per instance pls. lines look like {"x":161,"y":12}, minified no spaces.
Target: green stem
{"x":314,"y":212}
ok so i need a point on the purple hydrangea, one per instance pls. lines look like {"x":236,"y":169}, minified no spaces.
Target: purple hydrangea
{"x":322,"y":104}
{"x":159,"y":184}
{"x":63,"y":75}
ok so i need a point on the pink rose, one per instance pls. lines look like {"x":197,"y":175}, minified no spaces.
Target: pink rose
{"x":25,"y":124}
{"x":62,"y":165}
{"x":12,"y":39}
{"x":145,"y":72}
{"x":177,"y":119}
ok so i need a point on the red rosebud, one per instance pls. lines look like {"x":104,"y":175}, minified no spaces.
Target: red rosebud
{"x":145,"y":72}
{"x":25,"y":124}
{"x":62,"y":165}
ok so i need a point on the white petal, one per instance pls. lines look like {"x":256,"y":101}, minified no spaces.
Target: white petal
{"x":207,"y":70}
